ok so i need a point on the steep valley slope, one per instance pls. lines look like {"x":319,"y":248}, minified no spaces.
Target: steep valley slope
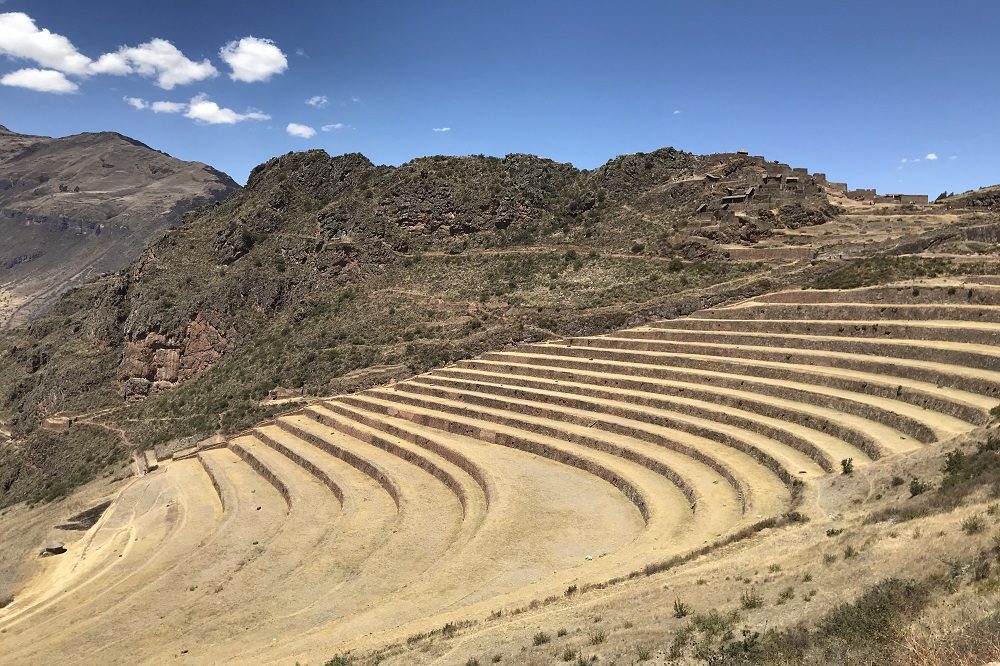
{"x":75,"y":207}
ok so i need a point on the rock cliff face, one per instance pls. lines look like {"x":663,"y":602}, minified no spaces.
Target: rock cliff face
{"x":156,"y":362}
{"x":74,"y":207}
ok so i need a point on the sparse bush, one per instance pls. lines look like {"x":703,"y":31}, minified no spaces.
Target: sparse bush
{"x":829,"y":558}
{"x":849,"y":552}
{"x":973,"y":524}
{"x":832,"y":532}
{"x":918,"y":487}
{"x":751,"y":599}
{"x":897,"y":481}
{"x":681,"y":609}
{"x":472,"y":661}
{"x":340,"y":660}
{"x":541,"y":638}
{"x":786,"y":594}
{"x":597,"y":637}
{"x":571,"y":590}
{"x":568,"y":654}
{"x":847,"y":466}
{"x":561,"y":632}
{"x":866,"y":631}
{"x":876,"y":612}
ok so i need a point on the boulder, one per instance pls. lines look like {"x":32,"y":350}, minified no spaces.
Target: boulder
{"x":53,"y":548}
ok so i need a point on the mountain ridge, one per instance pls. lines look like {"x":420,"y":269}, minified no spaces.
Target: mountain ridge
{"x":76,"y":206}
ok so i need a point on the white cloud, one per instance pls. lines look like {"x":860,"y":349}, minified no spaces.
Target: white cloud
{"x":21,"y":38}
{"x":111,"y":63}
{"x":931,"y":156}
{"x":252,"y":59}
{"x":203,"y":110}
{"x":40,"y":80}
{"x":356,"y":100}
{"x":156,"y":58}
{"x":904,"y":160}
{"x":319,"y":101}
{"x":677,"y":112}
{"x":442,"y":129}
{"x":302,"y":131}
{"x":168,"y":107}
{"x":300,"y":52}
{"x":200,"y":109}
{"x":333,"y":127}
{"x":953,"y":157}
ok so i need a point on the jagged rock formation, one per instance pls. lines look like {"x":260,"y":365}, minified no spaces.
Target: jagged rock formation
{"x":74,"y":207}
{"x":982,"y":198}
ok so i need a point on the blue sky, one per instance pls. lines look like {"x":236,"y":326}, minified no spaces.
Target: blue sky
{"x":849,"y":88}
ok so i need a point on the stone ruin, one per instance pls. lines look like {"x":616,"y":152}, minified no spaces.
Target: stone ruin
{"x":778,"y":185}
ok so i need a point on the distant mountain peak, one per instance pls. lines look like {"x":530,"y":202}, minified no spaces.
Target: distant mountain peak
{"x":4,"y":130}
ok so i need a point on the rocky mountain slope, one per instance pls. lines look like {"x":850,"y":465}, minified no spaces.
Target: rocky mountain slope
{"x":74,"y":207}
{"x":327,"y":274}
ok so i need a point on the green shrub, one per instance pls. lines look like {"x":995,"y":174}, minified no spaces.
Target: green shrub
{"x":751,"y":599}
{"x":847,"y":466}
{"x":541,"y":638}
{"x":681,"y":609}
{"x":973,"y":524}
{"x":340,"y":660}
{"x":878,"y":612}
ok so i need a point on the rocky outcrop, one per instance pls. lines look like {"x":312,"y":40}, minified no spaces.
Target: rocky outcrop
{"x":156,"y":362}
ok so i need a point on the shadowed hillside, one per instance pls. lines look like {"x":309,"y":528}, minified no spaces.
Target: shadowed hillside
{"x":75,"y":207}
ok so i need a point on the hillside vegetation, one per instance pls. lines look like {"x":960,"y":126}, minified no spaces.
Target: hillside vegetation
{"x":327,"y":274}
